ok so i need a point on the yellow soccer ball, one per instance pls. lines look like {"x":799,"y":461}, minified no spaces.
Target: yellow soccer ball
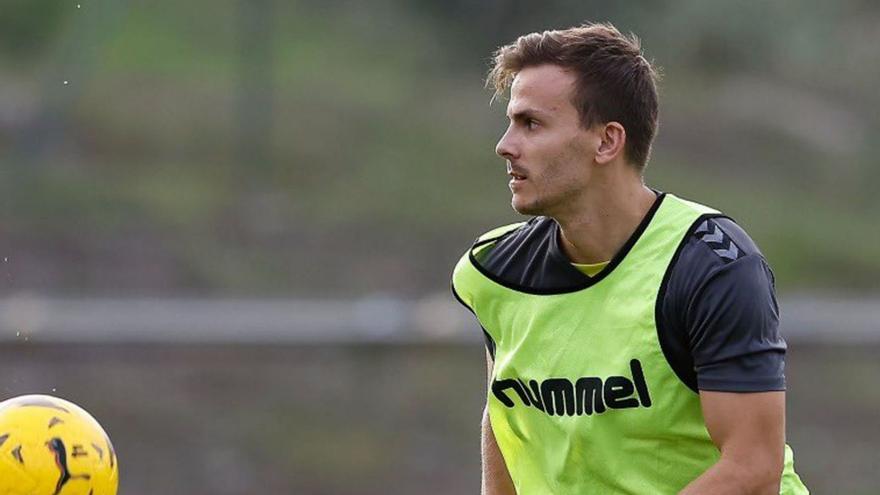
{"x":49,"y":446}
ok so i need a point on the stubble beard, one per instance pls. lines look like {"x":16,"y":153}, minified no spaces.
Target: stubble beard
{"x":546,"y":202}
{"x":543,"y":205}
{"x":529,"y":209}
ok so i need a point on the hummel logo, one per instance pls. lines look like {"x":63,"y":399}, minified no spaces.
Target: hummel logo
{"x":723,"y":246}
{"x":588,"y":394}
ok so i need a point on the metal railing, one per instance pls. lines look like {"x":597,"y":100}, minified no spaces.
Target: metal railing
{"x":32,"y":318}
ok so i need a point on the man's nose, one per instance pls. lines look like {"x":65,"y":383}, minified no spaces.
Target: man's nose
{"x":505,"y":147}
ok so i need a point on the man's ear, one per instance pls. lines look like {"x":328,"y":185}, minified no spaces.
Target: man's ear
{"x":612,"y":137}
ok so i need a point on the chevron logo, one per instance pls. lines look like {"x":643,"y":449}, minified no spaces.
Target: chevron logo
{"x":723,"y":246}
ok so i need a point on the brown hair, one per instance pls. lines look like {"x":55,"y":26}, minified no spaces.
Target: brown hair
{"x":614,"y":82}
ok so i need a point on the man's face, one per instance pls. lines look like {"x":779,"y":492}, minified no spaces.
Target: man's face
{"x":548,"y":152}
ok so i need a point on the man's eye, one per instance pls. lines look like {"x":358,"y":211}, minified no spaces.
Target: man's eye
{"x":531,"y":123}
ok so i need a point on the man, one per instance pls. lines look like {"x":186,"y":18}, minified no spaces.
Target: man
{"x":632,"y":336}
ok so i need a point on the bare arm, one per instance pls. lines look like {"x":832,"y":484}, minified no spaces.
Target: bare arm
{"x":496,"y":479}
{"x":749,"y":430}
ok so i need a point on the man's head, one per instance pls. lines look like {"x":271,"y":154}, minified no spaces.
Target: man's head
{"x":579,"y":98}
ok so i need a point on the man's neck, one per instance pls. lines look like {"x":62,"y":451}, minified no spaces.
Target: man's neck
{"x":596,"y":229}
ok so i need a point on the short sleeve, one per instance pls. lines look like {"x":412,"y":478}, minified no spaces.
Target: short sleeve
{"x":732,"y":327}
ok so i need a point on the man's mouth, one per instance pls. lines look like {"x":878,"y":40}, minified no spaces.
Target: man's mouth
{"x":516,"y":175}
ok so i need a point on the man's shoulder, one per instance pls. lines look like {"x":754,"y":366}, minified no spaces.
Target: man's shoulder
{"x":502,"y":244}
{"x":713,"y":243}
{"x":514,"y":231}
{"x":718,"y":317}
{"x":716,"y":260}
{"x":501,"y":254}
{"x":499,"y":248}
{"x":524,"y":256}
{"x":498,"y":232}
{"x":484,"y":246}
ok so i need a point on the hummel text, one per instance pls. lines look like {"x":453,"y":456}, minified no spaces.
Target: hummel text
{"x":559,"y":396}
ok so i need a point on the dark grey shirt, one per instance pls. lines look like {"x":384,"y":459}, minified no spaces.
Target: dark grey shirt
{"x":719,"y":315}
{"x":716,"y":313}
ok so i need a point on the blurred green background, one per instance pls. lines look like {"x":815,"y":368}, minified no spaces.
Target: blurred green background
{"x":339,"y":150}
{"x":309,"y":147}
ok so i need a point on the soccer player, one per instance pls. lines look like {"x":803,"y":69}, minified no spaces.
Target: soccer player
{"x":632,"y":335}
